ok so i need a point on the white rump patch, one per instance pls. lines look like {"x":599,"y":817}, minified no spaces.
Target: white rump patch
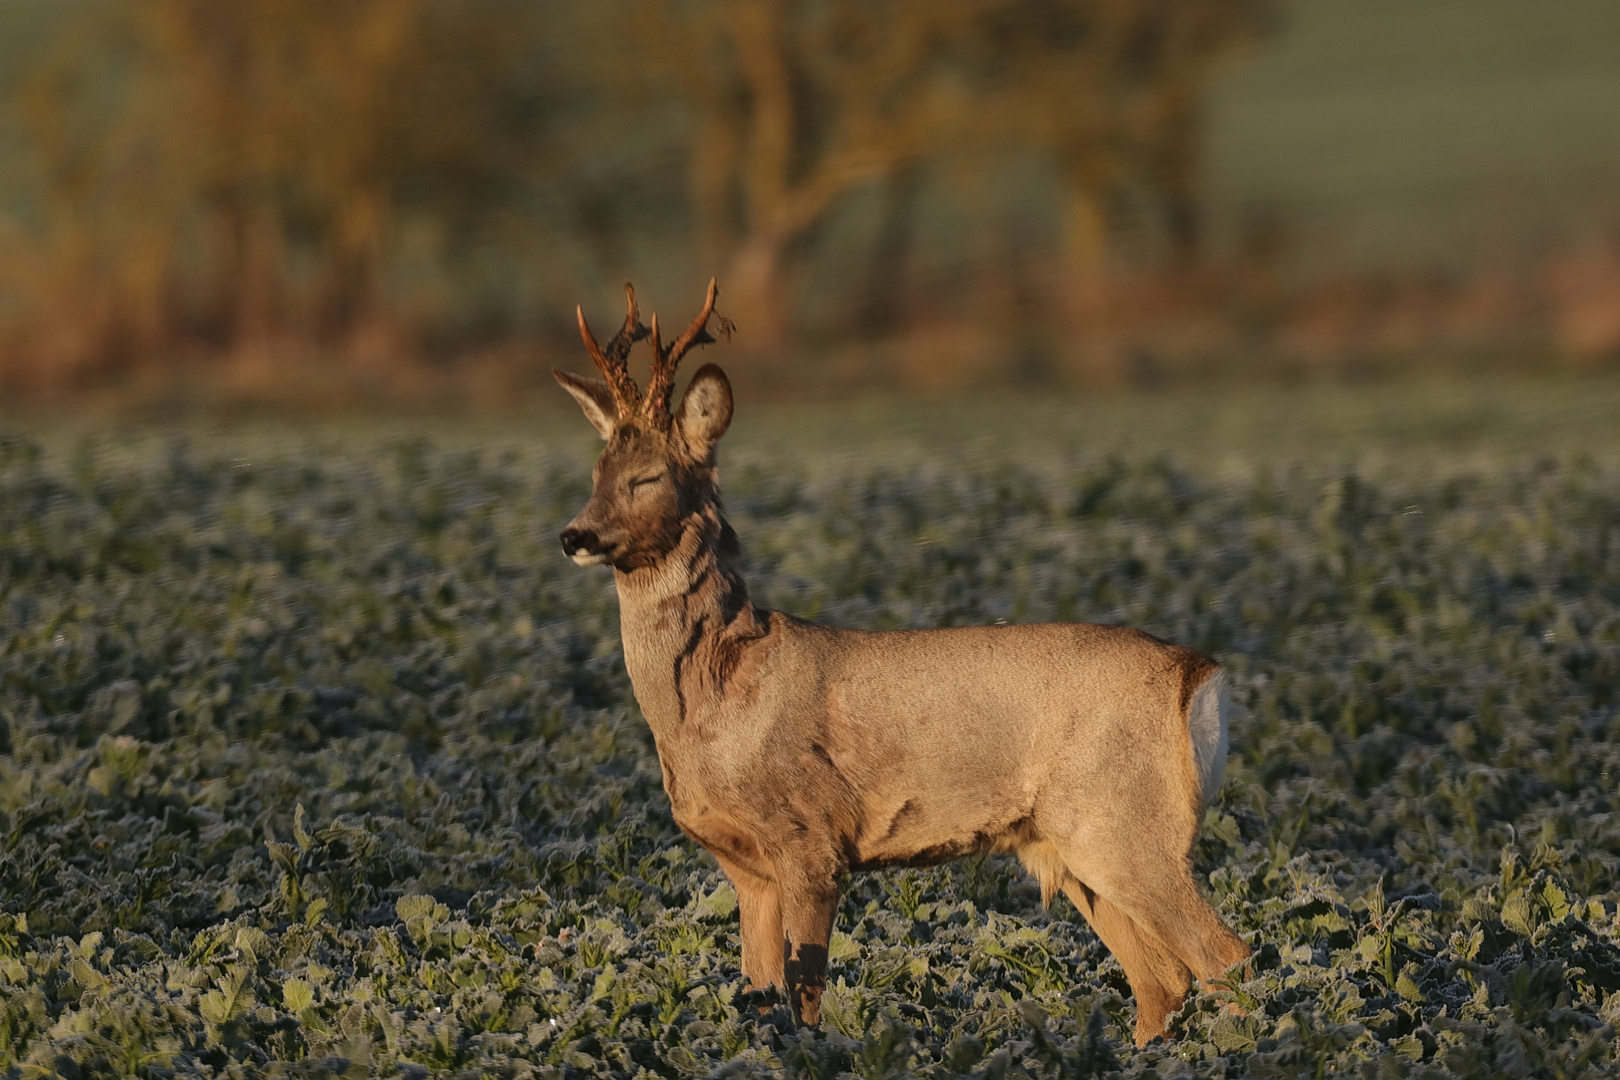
{"x":1206,"y":725}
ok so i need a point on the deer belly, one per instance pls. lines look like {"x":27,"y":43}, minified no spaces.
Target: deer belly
{"x":925,"y":830}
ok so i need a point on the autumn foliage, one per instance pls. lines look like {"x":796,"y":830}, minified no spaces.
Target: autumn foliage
{"x":414,"y":193}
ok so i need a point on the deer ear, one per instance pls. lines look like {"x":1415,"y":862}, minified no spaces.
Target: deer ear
{"x":705,"y":411}
{"x":594,"y":398}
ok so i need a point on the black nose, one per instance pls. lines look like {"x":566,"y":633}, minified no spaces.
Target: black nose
{"x":574,"y":540}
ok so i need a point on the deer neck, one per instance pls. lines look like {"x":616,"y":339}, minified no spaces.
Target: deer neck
{"x":684,"y":622}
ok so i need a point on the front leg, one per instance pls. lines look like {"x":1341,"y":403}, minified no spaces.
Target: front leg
{"x":759,"y":913}
{"x":809,"y":899}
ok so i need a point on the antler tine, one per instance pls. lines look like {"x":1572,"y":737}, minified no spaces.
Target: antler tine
{"x":697,"y":333}
{"x":662,"y":380}
{"x":631,"y":332}
{"x":656,"y":340}
{"x":612,"y":367}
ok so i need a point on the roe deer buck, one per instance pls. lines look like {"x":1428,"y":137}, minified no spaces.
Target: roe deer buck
{"x":796,"y":753}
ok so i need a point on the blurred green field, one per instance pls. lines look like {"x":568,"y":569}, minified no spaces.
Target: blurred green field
{"x":316,"y":757}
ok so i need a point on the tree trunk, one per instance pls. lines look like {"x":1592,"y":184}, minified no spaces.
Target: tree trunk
{"x":255,"y":278}
{"x":1092,"y":350}
{"x":1175,"y":171}
{"x":878,"y":310}
{"x":1085,"y":252}
{"x":757,"y":290}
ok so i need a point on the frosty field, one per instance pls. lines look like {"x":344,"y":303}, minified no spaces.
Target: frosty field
{"x":317,"y":757}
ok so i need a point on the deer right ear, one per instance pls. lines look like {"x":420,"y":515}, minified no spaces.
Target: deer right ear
{"x":705,"y":411}
{"x":594,"y":398}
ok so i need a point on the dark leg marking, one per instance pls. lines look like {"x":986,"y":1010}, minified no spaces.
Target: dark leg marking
{"x":805,"y":971}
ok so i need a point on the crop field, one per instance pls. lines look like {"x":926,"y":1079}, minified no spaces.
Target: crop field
{"x":318,"y":758}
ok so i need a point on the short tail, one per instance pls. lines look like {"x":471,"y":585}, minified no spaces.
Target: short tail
{"x":1207,"y":714}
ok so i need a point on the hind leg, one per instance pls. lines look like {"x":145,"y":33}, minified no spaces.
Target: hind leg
{"x":1154,"y":888}
{"x":1178,"y":915}
{"x":809,"y":892}
{"x":1159,"y":981}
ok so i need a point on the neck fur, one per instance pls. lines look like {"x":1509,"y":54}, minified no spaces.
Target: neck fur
{"x":685,"y":622}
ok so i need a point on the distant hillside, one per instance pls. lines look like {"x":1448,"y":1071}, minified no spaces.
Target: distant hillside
{"x":1414,"y":130}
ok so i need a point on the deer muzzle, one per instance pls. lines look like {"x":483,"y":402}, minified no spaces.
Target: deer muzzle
{"x":583,"y":546}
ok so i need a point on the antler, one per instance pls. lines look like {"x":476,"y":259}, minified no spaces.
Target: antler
{"x":610,"y":362}
{"x":662,"y":379}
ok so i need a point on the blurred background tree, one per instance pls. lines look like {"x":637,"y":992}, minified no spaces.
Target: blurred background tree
{"x":409,"y":195}
{"x":797,"y":103}
{"x":253,"y":176}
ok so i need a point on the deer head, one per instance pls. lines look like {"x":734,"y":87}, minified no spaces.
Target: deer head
{"x":658,"y":468}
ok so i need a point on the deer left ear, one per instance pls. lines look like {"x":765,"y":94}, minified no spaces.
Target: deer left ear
{"x":705,"y":410}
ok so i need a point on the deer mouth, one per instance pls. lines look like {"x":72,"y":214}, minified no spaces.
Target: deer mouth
{"x":585,"y":547}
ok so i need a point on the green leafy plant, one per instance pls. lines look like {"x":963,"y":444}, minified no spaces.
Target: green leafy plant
{"x":317,"y":759}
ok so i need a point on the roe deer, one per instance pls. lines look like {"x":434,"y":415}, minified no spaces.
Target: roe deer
{"x":796,"y":752}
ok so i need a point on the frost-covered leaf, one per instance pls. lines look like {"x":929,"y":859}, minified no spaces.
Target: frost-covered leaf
{"x":296,"y":995}
{"x":719,"y":904}
{"x":370,"y":647}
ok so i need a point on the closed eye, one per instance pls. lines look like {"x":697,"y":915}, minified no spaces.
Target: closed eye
{"x":644,"y":480}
